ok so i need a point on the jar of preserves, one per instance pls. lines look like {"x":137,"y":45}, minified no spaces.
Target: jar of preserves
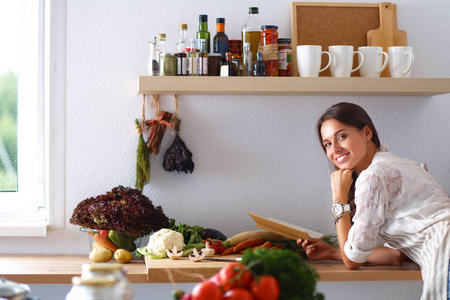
{"x":93,"y":270}
{"x":269,"y":48}
{"x":235,"y":47}
{"x":214,"y":63}
{"x":96,"y":288}
{"x":168,"y":64}
{"x":284,"y":57}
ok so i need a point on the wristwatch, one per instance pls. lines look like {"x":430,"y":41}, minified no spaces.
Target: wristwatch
{"x":339,"y":209}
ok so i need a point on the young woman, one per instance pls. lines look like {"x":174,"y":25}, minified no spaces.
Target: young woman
{"x":395,"y":198}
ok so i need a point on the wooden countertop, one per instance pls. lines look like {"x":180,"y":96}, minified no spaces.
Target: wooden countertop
{"x":49,"y":269}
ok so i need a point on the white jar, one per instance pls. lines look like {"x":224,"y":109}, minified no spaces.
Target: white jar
{"x":95,"y":288}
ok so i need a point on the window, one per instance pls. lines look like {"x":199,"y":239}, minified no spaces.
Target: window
{"x":32,"y":104}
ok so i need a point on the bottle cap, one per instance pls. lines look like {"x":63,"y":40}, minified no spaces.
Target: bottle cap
{"x":161,"y":36}
{"x":269,"y":27}
{"x":203,"y":18}
{"x":252,"y":10}
{"x":182,"y":26}
{"x":220,"y":20}
{"x":285,"y":41}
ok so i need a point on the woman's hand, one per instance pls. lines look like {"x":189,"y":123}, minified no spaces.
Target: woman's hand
{"x":318,"y":249}
{"x":341,"y":181}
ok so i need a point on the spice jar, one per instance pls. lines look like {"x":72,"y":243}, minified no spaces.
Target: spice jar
{"x":269,"y":48}
{"x":284,"y":57}
{"x":168,"y":64}
{"x":101,"y":287}
{"x":214,"y":63}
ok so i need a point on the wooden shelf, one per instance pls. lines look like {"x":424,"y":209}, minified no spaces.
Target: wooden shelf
{"x":353,"y":86}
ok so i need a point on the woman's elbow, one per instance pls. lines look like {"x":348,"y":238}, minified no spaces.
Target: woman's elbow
{"x":350,"y":265}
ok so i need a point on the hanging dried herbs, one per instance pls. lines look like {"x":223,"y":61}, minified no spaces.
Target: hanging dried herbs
{"x":178,"y":157}
{"x":157,"y":129}
{"x":142,"y":161}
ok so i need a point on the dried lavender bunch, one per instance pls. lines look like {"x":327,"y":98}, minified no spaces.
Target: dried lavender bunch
{"x":123,"y":209}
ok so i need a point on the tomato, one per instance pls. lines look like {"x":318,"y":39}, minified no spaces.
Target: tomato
{"x":104,"y":233}
{"x":238,"y":294}
{"x":235,"y":275}
{"x":215,"y":279}
{"x":207,"y":290}
{"x":265,"y":287}
{"x":221,"y":248}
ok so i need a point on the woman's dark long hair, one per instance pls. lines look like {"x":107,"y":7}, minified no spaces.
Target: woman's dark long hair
{"x":355,"y":116}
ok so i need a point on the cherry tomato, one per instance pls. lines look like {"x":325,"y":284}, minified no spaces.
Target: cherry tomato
{"x":186,"y":296}
{"x":265,"y":287}
{"x":220,"y":249}
{"x":206,"y":290}
{"x":238,"y":294}
{"x":235,"y":275}
{"x":104,"y":233}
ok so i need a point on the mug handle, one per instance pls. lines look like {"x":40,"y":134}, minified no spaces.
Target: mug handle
{"x":386,"y":60}
{"x":329,"y":60}
{"x":361,"y":62}
{"x":411,"y":62}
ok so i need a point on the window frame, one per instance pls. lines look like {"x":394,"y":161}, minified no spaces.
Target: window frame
{"x":52,"y":89}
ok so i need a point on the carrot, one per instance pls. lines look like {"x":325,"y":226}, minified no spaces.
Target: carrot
{"x":105,"y":242}
{"x":248,"y":244}
{"x":228,"y":251}
{"x":277,"y":246}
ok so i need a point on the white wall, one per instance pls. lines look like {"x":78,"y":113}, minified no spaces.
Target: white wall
{"x":255,"y":154}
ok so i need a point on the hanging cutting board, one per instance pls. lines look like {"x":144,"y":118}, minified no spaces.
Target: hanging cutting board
{"x":387,"y":35}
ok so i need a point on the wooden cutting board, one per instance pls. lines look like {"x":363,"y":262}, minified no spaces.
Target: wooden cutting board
{"x":388,"y":34}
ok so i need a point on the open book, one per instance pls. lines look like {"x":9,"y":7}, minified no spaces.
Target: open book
{"x":285,"y":229}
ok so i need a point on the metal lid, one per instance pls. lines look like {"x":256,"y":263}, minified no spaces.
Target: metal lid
{"x":253,"y":10}
{"x":203,"y":18}
{"x":220,"y":20}
{"x":182,"y":26}
{"x":284,"y":40}
{"x":215,"y":54}
{"x":269,"y":27}
{"x":168,"y":54}
{"x":161,"y":36}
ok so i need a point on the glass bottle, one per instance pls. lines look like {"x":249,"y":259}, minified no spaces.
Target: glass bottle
{"x":228,"y":68}
{"x":220,"y":41}
{"x":284,"y":57}
{"x":181,"y":44}
{"x":259,"y":67}
{"x":269,"y":48}
{"x":251,"y":31}
{"x":161,"y":37}
{"x":202,"y":59}
{"x":153,"y":60}
{"x":248,"y":62}
{"x":203,"y":32}
{"x":193,"y":59}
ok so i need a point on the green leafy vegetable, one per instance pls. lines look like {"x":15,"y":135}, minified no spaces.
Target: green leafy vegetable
{"x":191,"y":234}
{"x":297,"y":279}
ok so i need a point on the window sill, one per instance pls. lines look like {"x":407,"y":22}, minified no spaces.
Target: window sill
{"x":21,"y":229}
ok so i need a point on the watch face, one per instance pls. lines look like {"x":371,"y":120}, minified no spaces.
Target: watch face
{"x":337,"y":209}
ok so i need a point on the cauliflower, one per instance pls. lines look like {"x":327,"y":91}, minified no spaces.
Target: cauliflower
{"x":164,"y":239}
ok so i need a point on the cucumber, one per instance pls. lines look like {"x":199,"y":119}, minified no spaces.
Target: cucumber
{"x":122,"y":241}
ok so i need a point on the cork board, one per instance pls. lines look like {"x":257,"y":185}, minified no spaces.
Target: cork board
{"x":327,"y":24}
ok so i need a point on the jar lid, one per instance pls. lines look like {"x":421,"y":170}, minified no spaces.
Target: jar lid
{"x":161,"y":36}
{"x":168,"y":54}
{"x":98,"y":280}
{"x":253,"y":10}
{"x":215,"y":54}
{"x":203,"y":18}
{"x":220,"y":20}
{"x":284,"y":40}
{"x":101,"y":267}
{"x":182,"y":26}
{"x":269,"y":27}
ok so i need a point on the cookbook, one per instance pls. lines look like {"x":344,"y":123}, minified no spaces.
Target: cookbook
{"x":285,"y":229}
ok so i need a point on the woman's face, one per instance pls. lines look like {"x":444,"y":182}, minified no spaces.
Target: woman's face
{"x":346,"y":146}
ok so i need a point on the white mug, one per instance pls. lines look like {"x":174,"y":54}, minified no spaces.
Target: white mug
{"x":342,"y":60}
{"x":309,"y":60}
{"x":401,"y":60}
{"x":373,"y":64}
